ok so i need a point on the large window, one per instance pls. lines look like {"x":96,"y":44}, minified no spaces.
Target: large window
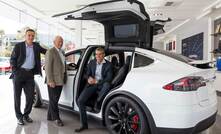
{"x":14,"y":23}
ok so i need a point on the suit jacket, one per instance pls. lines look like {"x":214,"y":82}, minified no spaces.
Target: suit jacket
{"x":106,"y":72}
{"x":54,"y":68}
{"x":19,"y":54}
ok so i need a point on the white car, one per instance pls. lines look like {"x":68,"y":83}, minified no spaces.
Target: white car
{"x":152,"y":92}
{"x":4,"y":65}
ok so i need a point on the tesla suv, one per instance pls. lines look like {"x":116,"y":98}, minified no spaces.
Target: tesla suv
{"x":151,"y":92}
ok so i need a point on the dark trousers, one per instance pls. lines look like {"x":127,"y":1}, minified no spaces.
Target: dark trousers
{"x":54,"y":95}
{"x":86,"y":94}
{"x":23,"y":79}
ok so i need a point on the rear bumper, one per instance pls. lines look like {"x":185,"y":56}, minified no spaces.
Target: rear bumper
{"x":203,"y":125}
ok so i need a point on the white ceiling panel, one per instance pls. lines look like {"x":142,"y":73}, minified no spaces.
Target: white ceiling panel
{"x":177,"y":10}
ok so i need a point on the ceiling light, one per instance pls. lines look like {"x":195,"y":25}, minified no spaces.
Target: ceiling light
{"x":169,"y":3}
{"x":218,"y":6}
{"x":212,"y":5}
{"x":204,"y":14}
{"x":157,"y":14}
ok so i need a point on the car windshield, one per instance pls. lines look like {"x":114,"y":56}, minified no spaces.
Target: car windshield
{"x":174,"y":56}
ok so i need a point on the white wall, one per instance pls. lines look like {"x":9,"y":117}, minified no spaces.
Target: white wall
{"x":194,"y":27}
{"x":191,"y":28}
{"x":158,"y":45}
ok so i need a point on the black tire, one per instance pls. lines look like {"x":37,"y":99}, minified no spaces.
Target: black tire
{"x":37,"y":97}
{"x":124,"y":116}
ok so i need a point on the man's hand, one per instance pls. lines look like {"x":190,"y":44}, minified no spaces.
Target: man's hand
{"x":51,"y":84}
{"x":92,"y":81}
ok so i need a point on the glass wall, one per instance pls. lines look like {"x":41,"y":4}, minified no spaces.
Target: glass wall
{"x":13,"y":24}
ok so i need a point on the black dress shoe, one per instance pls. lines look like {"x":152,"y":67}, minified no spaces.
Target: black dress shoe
{"x":59,"y":123}
{"x":80,"y":129}
{"x":28,"y":119}
{"x":50,"y":119}
{"x":20,"y":121}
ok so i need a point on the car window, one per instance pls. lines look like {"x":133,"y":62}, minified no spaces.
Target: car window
{"x":73,"y":58}
{"x":92,"y":57}
{"x":141,"y":61}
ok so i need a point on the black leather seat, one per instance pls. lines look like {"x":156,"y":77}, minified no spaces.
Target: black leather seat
{"x":122,"y":73}
{"x":115,"y":64}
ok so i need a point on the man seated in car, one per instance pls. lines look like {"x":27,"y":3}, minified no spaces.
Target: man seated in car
{"x":99,"y":76}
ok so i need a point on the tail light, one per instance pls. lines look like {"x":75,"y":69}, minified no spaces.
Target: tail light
{"x":191,"y":83}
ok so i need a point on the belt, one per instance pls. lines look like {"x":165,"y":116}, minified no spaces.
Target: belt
{"x":26,"y":69}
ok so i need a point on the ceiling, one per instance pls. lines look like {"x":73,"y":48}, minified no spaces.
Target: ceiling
{"x":178,"y":10}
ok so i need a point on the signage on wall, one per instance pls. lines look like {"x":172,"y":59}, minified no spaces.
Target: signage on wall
{"x":192,"y":47}
{"x":171,"y":45}
{"x":217,"y":34}
{"x":218,"y":28}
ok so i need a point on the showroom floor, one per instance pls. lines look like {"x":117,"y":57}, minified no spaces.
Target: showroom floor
{"x":8,"y":124}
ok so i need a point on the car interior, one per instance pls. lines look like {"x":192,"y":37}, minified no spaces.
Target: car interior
{"x":121,"y":62}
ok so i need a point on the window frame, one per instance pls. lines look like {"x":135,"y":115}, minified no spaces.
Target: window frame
{"x":81,"y":51}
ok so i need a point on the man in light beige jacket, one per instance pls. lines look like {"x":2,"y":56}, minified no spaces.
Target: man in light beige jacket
{"x":55,"y":69}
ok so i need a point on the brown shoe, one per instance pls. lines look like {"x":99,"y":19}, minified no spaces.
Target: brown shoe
{"x":59,"y":123}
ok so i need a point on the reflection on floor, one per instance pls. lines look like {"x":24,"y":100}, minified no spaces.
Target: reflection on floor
{"x":40,"y":125}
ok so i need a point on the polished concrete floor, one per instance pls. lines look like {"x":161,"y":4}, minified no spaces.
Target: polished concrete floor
{"x":8,"y":122}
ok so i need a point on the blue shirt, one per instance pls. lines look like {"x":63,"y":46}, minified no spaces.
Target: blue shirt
{"x":30,"y":58}
{"x":98,"y":75}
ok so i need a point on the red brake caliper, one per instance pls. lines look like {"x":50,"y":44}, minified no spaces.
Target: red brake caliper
{"x":135,"y":120}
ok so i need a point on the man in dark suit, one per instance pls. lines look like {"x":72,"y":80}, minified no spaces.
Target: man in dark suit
{"x":99,"y":75}
{"x":25,"y":62}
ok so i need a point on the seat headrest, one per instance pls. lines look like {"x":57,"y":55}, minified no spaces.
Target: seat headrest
{"x":114,"y":61}
{"x":128,"y":60}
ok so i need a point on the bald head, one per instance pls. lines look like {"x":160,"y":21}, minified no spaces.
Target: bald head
{"x":58,"y":41}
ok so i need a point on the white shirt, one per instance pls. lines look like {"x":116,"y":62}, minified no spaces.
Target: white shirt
{"x":30,"y":58}
{"x":98,"y":75}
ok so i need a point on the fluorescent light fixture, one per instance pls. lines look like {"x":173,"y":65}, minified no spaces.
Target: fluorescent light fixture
{"x":218,"y":6}
{"x":176,"y":27}
{"x":212,"y":5}
{"x":218,"y":17}
{"x":204,"y":14}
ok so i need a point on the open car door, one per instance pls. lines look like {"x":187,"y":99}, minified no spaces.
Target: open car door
{"x":126,"y":22}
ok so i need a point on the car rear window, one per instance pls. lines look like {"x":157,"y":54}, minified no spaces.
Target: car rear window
{"x":141,"y":61}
